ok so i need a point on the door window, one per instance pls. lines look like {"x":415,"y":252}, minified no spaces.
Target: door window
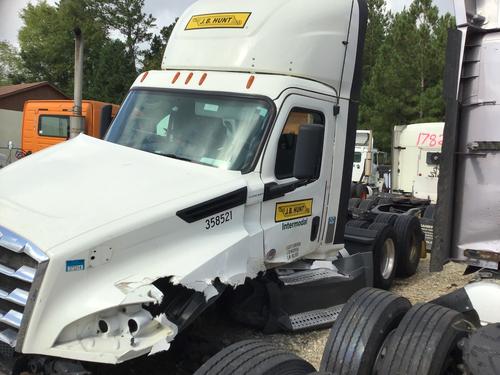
{"x":288,"y":139}
{"x":53,"y":126}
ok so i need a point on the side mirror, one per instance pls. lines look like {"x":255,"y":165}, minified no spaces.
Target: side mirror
{"x":308,"y":152}
{"x":105,"y":120}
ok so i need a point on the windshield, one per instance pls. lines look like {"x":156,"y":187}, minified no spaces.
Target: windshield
{"x":362,"y":139}
{"x":357,"y":157}
{"x":219,"y":131}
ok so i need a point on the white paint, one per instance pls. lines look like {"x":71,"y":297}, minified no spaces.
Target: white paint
{"x":485,"y":299}
{"x":299,"y":33}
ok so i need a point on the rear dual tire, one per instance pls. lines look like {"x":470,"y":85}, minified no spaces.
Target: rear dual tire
{"x":363,"y":325}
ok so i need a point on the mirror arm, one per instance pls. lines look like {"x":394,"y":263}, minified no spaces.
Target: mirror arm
{"x":273,"y":190}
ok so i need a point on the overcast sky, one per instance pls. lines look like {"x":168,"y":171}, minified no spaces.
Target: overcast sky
{"x":165,"y":11}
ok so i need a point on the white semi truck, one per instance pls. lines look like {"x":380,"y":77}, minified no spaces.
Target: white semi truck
{"x":365,"y":169}
{"x":225,"y":173}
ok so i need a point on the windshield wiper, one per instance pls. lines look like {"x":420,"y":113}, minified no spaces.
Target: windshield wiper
{"x":173,"y":156}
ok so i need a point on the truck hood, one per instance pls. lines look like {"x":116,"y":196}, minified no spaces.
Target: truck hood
{"x":72,"y":188}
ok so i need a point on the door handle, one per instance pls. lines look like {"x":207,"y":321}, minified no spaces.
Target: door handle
{"x":314,"y":228}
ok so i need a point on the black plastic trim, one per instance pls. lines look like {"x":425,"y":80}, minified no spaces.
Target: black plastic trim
{"x":443,"y":222}
{"x":213,"y":206}
{"x":352,"y":119}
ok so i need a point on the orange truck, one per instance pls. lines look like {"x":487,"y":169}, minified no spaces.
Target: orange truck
{"x":46,"y":122}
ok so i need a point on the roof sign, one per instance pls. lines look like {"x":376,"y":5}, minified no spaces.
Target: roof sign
{"x":218,"y":21}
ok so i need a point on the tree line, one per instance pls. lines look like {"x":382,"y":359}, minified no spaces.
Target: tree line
{"x":402,"y":72}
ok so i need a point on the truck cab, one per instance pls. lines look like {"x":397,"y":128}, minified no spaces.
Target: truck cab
{"x":230,"y":165}
{"x":46,"y":122}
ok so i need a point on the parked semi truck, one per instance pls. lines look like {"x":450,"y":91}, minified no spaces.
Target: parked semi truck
{"x":378,"y":332}
{"x":224,"y":177}
{"x":416,"y":152}
{"x":366,"y":176}
{"x":46,"y":122}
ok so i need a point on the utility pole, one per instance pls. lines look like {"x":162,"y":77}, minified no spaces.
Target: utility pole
{"x":77,"y":121}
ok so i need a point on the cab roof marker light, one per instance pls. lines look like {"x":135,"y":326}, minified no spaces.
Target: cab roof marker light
{"x":176,"y":77}
{"x":250,"y":82}
{"x":144,"y":76}
{"x":203,"y":78}
{"x":188,"y":79}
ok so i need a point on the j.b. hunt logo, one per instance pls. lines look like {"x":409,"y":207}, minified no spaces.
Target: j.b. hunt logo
{"x":286,"y":211}
{"x":218,"y":21}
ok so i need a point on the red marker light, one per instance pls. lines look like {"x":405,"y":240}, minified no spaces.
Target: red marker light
{"x":250,"y":82}
{"x":203,"y":78}
{"x":176,"y":77}
{"x":144,"y":76}
{"x":189,"y":78}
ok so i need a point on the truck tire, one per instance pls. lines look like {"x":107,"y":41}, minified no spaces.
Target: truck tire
{"x":257,"y":358}
{"x":425,"y":342}
{"x":409,"y":239}
{"x":482,"y":350}
{"x":386,"y":218}
{"x":358,"y":223}
{"x":360,"y":330}
{"x":366,"y":205}
{"x":354,"y":203}
{"x":384,"y":255}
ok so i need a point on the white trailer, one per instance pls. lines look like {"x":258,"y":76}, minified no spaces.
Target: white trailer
{"x":416,"y":154}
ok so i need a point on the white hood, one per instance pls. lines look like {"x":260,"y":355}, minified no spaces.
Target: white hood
{"x":82,"y":184}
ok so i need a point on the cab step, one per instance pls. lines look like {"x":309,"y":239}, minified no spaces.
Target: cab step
{"x":315,"y":319}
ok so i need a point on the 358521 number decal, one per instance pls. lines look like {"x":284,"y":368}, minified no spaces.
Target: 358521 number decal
{"x":219,"y":219}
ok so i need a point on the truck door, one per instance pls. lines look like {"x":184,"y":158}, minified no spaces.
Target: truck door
{"x":292,"y":223}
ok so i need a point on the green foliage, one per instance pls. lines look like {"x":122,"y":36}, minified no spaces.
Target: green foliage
{"x":153,"y":57}
{"x":47,"y":44}
{"x":403,"y":67}
{"x":127,"y":17}
{"x":10,"y":63}
{"x":113,"y":73}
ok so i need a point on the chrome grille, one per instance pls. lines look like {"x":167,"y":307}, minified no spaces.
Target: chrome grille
{"x":19,"y":261}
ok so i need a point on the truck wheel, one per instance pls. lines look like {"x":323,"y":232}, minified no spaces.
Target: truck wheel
{"x":360,"y":330}
{"x":425,"y":342}
{"x":386,"y":218}
{"x":257,"y":358}
{"x":409,"y":239}
{"x":366,"y":205}
{"x":358,"y":224}
{"x":482,"y":350}
{"x":354,"y":203}
{"x":384,"y":255}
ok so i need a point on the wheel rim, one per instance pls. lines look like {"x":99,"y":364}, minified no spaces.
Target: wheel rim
{"x":388,"y":258}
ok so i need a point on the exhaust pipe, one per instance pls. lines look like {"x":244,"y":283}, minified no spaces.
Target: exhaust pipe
{"x":77,"y":121}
